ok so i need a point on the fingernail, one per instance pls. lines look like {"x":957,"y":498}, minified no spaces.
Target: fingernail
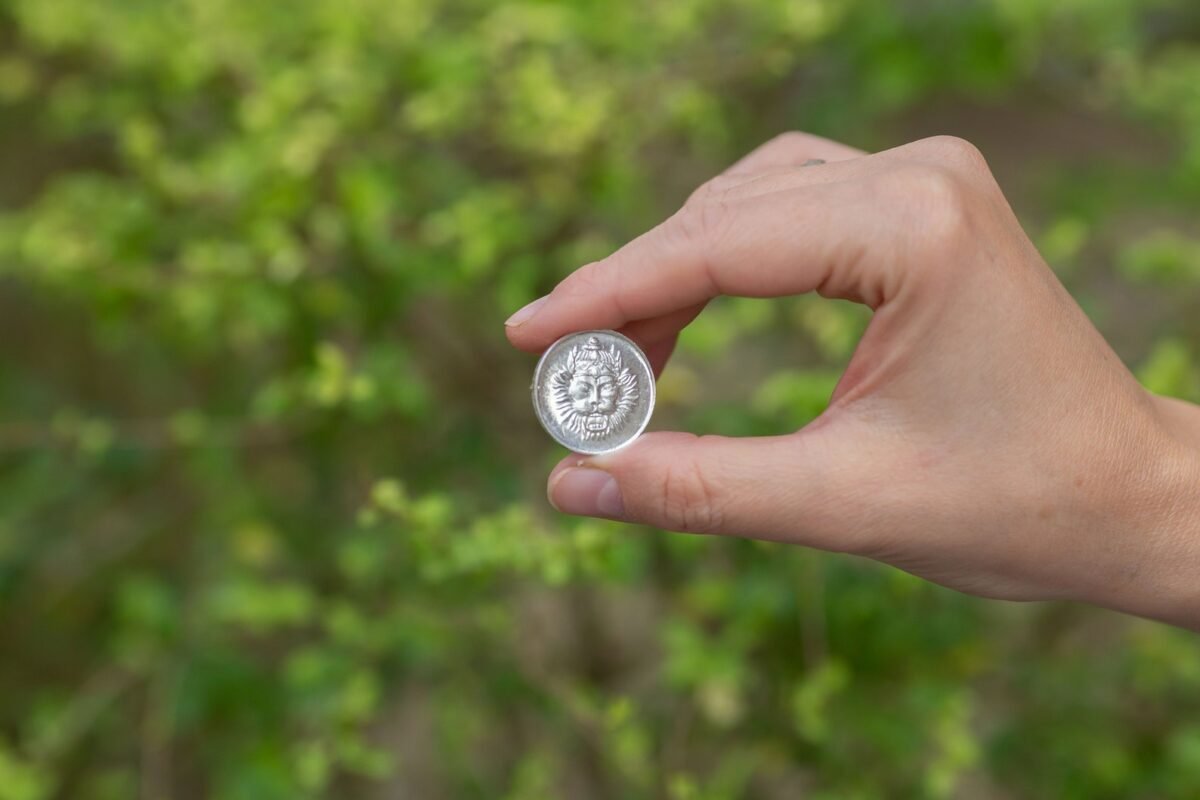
{"x":588,"y":492}
{"x":525,"y":313}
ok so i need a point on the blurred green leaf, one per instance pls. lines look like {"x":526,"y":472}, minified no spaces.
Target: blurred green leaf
{"x":272,"y":516}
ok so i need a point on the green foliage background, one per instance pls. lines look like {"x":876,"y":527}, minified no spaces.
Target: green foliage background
{"x":271,"y":492}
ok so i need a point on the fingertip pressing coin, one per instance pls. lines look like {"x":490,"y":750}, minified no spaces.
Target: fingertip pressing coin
{"x":593,"y":391}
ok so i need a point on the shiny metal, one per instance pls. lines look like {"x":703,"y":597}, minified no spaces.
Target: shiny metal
{"x":593,"y":391}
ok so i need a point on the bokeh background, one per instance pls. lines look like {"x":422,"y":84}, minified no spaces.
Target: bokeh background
{"x":272,"y":521}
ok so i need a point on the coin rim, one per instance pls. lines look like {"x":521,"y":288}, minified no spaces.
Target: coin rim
{"x":642,"y":359}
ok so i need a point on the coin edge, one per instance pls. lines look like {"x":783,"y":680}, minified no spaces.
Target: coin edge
{"x":642,"y":359}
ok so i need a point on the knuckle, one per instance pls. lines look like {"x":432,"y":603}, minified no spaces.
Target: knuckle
{"x":713,"y":190}
{"x":690,"y":499}
{"x":936,"y":206}
{"x":956,"y":152}
{"x":704,"y":219}
{"x":585,"y":281}
{"x":790,"y":140}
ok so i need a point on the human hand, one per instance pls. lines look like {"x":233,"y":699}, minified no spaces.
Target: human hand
{"x":983,"y":435}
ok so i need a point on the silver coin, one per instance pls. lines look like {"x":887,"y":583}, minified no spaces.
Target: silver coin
{"x":593,"y":391}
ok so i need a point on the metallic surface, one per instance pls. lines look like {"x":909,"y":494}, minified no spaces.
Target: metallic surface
{"x":593,"y":391}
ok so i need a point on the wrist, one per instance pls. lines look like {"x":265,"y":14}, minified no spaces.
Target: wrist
{"x":1159,"y":576}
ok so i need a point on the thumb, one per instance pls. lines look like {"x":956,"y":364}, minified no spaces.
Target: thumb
{"x":784,"y":488}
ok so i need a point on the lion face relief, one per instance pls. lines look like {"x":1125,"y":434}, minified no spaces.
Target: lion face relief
{"x":595,"y":392}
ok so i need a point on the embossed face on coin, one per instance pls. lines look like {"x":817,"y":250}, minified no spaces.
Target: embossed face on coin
{"x":593,"y":391}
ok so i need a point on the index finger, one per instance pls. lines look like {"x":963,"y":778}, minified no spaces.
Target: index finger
{"x":587,"y":298}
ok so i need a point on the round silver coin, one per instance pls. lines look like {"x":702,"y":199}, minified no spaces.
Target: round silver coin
{"x":593,"y":391}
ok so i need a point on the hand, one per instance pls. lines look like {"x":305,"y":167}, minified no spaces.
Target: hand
{"x":983,"y":436}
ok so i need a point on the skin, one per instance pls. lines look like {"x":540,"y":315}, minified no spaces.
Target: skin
{"x":983,"y":436}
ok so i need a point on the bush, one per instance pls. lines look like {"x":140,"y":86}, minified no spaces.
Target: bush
{"x":271,"y":515}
